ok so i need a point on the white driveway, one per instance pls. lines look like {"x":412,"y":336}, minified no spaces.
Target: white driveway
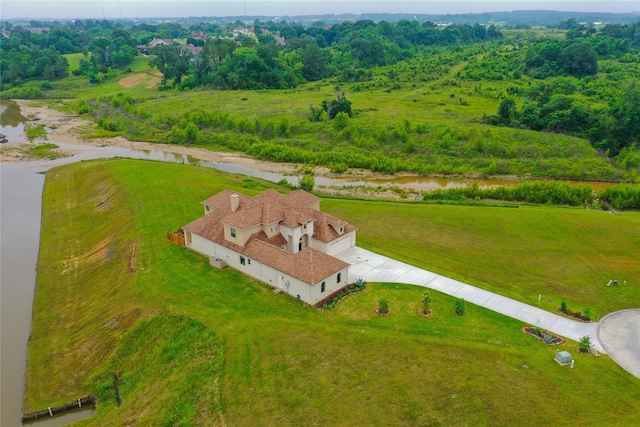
{"x":378,"y":268}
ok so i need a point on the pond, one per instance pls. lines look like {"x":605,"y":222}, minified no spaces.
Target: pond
{"x":12,"y":122}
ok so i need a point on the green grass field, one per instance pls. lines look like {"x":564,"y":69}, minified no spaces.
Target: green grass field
{"x":195,"y":346}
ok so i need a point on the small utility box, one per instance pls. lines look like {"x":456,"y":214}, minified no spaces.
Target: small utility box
{"x":563,"y":358}
{"x":217,"y":262}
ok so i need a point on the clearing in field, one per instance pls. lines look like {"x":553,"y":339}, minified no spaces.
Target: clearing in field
{"x":150,"y":80}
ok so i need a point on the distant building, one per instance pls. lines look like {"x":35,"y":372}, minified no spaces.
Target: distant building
{"x":199,"y":35}
{"x":282,"y":240}
{"x":38,"y":30}
{"x":243,"y":31}
{"x":193,"y":50}
{"x":160,"y":42}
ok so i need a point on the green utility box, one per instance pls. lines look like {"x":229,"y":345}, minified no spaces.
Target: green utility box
{"x":563,"y":357}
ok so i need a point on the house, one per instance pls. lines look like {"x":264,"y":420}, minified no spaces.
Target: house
{"x":193,"y":50}
{"x":282,"y":240}
{"x":39,"y":30}
{"x":198,"y":35}
{"x":160,"y":42}
{"x":238,"y":31}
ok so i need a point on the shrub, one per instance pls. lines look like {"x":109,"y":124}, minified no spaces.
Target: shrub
{"x":307,"y":182}
{"x":563,"y":306}
{"x":383,"y":307}
{"x":426,"y":303}
{"x":587,"y":313}
{"x":585,"y":343}
{"x":460,"y":307}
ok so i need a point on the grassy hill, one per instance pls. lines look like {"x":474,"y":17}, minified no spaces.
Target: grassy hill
{"x":192,"y":345}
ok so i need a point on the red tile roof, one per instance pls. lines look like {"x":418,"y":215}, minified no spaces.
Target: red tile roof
{"x":291,"y":210}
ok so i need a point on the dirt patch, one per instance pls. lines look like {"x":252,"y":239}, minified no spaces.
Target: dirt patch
{"x":154,"y":81}
{"x":132,"y":80}
{"x":101,"y":251}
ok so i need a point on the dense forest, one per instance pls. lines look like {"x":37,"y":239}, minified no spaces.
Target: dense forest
{"x":577,"y":80}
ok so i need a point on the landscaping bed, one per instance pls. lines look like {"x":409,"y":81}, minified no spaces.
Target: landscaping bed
{"x":542,"y":335}
{"x":331,"y":302}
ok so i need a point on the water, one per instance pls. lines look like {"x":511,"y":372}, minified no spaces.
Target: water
{"x":12,"y":121}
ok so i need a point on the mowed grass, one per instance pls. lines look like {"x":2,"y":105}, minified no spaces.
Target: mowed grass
{"x":276,"y":361}
{"x":563,"y":254}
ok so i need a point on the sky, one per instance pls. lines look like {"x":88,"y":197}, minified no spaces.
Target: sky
{"x":98,"y":9}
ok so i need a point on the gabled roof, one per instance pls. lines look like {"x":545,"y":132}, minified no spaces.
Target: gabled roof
{"x":268,"y":207}
{"x":309,"y":265}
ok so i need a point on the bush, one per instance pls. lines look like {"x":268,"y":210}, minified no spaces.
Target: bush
{"x":587,"y":313}
{"x":307,"y":182}
{"x":426,"y":303}
{"x":460,"y":307}
{"x":563,"y":306}
{"x":585,"y":343}
{"x":383,"y":307}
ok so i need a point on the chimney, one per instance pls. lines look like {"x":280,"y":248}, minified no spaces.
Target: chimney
{"x":235,"y":202}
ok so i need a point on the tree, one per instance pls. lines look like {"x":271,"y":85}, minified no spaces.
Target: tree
{"x":170,"y":63}
{"x":338,"y":105}
{"x":307,"y":182}
{"x":578,"y":60}
{"x":314,"y":63}
{"x":507,"y":110}
{"x":585,"y":343}
{"x":459,"y":307}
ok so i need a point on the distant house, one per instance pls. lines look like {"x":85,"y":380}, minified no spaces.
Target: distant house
{"x":38,"y":30}
{"x":193,"y":50}
{"x":243,"y":31}
{"x":199,"y":35}
{"x":143,"y":49}
{"x":160,"y":42}
{"x":280,"y":40}
{"x":282,"y":240}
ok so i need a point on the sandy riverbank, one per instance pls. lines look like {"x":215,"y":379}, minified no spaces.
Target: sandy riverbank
{"x":66,"y":129}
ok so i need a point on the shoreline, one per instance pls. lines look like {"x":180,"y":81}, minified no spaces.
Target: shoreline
{"x":64,"y":129}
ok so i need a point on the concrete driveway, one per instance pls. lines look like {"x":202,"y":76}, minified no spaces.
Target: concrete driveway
{"x":373,"y":267}
{"x":620,"y":334}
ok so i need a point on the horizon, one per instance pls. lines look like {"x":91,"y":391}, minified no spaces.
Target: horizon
{"x":150,"y":9}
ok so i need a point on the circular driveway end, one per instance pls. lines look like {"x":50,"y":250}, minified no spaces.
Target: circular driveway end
{"x":619,"y":332}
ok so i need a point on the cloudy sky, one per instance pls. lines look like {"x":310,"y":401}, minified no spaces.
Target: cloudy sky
{"x":64,"y":9}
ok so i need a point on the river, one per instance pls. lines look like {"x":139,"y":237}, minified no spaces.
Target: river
{"x":21,"y":186}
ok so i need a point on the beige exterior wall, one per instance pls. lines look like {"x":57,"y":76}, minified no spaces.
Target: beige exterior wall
{"x":293,"y":236}
{"x":271,"y":230}
{"x":241,"y":235}
{"x":288,"y":284}
{"x":342,"y":243}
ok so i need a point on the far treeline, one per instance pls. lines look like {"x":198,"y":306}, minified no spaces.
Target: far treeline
{"x":580,"y":81}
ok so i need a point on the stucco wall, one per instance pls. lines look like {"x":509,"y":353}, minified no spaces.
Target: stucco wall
{"x":264,"y":273}
{"x":342,"y":243}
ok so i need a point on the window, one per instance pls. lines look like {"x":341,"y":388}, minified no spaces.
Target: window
{"x":242,"y":260}
{"x":305,"y":226}
{"x":339,"y":276}
{"x":322,"y":287}
{"x":248,"y":261}
{"x":233,"y":232}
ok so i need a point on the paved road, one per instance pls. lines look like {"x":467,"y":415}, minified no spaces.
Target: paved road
{"x":620,"y":333}
{"x":377,"y":268}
